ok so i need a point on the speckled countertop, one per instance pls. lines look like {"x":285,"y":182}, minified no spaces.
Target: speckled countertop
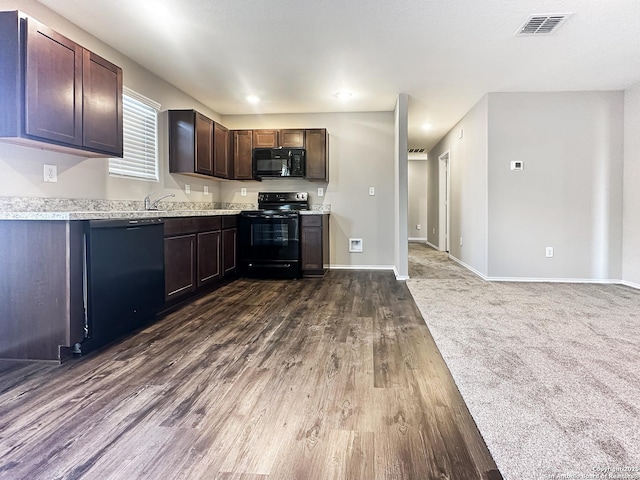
{"x":31,"y":208}
{"x":112,"y":214}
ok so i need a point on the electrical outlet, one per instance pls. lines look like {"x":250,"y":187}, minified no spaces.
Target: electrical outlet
{"x":549,"y":252}
{"x":206,"y":190}
{"x":50,"y":173}
{"x":320,"y":192}
{"x":187,"y":189}
{"x":372,"y":191}
{"x":243,"y":192}
{"x":418,"y":227}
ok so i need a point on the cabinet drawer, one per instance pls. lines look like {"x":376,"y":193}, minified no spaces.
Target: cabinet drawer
{"x":207,"y":224}
{"x":311,"y":220}
{"x":229,"y":221}
{"x":179,"y":226}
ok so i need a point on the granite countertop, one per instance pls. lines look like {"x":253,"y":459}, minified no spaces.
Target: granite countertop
{"x":106,"y":215}
{"x":30,"y":208}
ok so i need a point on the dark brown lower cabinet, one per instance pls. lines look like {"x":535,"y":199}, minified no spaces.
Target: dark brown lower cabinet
{"x":229,"y":242}
{"x":179,"y":265}
{"x":208,"y":257}
{"x":41,"y":304}
{"x":198,"y":253}
{"x":314,"y":244}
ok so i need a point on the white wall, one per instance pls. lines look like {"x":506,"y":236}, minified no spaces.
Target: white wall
{"x":468,"y":194}
{"x":401,"y":194}
{"x":569,"y":195}
{"x":418,"y":173}
{"x":79,"y":177}
{"x":361,"y":155}
{"x":631,"y":217}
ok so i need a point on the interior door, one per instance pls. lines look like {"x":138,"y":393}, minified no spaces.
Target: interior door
{"x":444,"y":193}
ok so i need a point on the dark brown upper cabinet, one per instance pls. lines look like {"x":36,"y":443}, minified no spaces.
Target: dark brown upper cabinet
{"x":291,"y":138}
{"x":265,"y":138}
{"x":317,"y":145}
{"x":221,"y":150}
{"x":56,"y":94}
{"x":102,"y":104}
{"x":242,"y":152}
{"x":198,"y":145}
{"x":287,"y":138}
{"x":190,"y":143}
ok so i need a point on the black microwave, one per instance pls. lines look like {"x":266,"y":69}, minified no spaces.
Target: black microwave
{"x":278,"y":162}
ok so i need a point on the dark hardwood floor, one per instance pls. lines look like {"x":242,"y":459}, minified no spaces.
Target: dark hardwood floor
{"x":332,"y":378}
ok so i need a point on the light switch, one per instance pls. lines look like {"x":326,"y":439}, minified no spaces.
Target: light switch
{"x":372,"y":191}
{"x":243,"y":192}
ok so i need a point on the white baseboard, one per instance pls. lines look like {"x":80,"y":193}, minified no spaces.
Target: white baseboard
{"x":468,"y":267}
{"x":418,"y":239}
{"x":362,"y":267}
{"x":602,"y":281}
{"x":435,"y":247}
{"x":398,"y":276}
{"x":630,"y":284}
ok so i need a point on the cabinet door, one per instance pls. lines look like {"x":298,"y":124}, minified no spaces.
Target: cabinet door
{"x":204,"y":144}
{"x":102,"y":104}
{"x":220,"y":151}
{"x":291,"y":138}
{"x":53,"y":86}
{"x":208,"y":257}
{"x":316,"y":141}
{"x":229,"y":250}
{"x":179,"y":265}
{"x":311,"y":247}
{"x":265,"y":138}
{"x":242,"y":151}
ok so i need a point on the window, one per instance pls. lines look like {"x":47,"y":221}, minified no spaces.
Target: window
{"x":140,"y":136}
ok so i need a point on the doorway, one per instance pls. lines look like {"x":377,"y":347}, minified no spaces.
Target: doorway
{"x":444,"y":203}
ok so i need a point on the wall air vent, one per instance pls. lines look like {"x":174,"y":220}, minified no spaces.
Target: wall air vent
{"x":417,"y":150}
{"x":542,"y":24}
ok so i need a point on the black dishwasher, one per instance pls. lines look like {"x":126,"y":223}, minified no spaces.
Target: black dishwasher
{"x":124,"y":277}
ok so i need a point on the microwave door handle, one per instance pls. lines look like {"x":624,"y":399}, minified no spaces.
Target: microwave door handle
{"x":289,"y":162}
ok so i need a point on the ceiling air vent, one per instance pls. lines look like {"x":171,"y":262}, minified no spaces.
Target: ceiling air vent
{"x":417,"y":150}
{"x":542,"y":24}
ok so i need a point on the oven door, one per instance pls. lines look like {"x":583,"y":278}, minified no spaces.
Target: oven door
{"x":269,"y":245}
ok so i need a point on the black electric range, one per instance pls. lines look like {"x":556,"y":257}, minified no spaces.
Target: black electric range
{"x":269,"y":238}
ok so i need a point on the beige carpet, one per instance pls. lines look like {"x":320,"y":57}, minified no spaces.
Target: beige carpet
{"x":550,"y":372}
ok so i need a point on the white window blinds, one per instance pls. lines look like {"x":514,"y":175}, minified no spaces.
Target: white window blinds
{"x":140,"y":135}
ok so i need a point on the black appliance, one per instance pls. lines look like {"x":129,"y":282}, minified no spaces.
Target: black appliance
{"x":269,"y":238}
{"x":124,"y":275}
{"x":278,"y":162}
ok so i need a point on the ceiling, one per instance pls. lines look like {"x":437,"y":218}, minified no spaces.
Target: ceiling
{"x":296,"y":54}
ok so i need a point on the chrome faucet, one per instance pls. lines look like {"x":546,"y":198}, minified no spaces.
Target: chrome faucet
{"x":149,"y":205}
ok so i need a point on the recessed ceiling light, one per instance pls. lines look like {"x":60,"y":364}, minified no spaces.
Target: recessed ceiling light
{"x":427,"y":126}
{"x":253,"y":99}
{"x":344,"y":95}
